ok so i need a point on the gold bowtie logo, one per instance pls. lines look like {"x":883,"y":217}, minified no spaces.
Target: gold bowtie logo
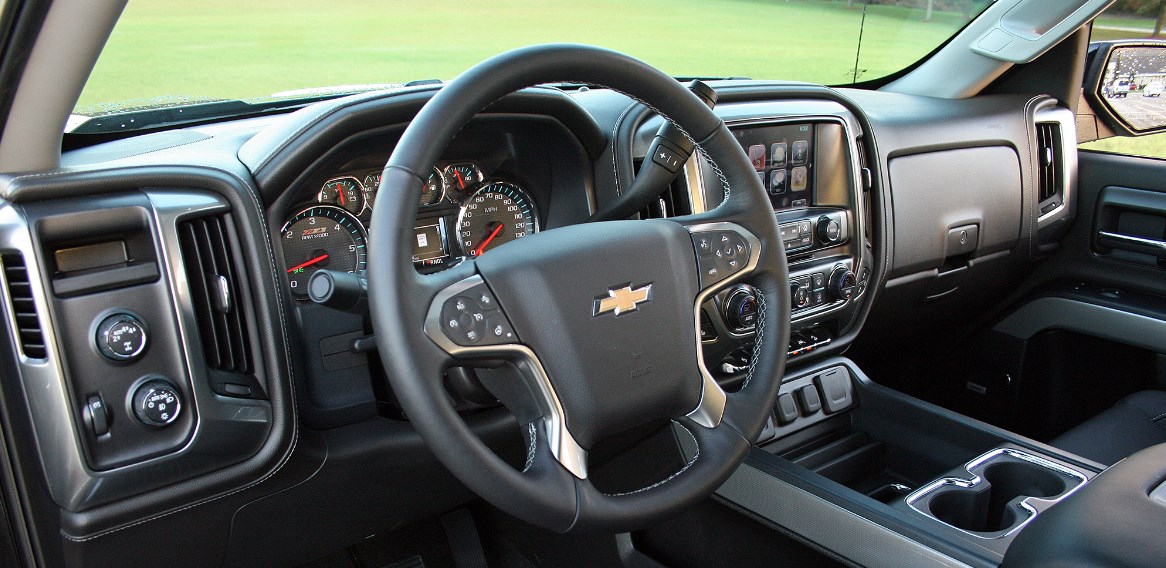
{"x":622,"y":300}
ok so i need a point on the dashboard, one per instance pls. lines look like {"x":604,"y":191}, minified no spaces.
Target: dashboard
{"x":207,"y":239}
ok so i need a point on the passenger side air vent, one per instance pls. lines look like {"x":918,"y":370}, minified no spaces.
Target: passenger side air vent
{"x":32,"y":338}
{"x":671,"y":203}
{"x":216,"y":292}
{"x":1050,"y":165}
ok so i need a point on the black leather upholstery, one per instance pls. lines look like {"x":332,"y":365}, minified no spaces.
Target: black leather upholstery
{"x":1137,"y":421}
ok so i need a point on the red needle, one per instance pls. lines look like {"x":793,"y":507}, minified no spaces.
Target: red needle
{"x":308,"y":263}
{"x":341,"y":194}
{"x":494,"y":233}
{"x":460,"y":182}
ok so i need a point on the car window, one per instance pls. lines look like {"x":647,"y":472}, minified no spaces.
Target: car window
{"x":171,"y":52}
{"x":1131,"y":19}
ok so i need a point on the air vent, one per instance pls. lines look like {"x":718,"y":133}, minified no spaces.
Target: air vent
{"x":1049,"y":164}
{"x":215,"y":290}
{"x":32,"y":338}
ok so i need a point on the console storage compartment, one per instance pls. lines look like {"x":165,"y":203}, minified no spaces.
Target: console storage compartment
{"x":892,"y":477}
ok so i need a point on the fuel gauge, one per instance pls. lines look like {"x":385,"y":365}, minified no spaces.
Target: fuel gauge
{"x":345,"y":192}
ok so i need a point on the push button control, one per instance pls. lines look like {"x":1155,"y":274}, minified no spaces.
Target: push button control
{"x":720,"y":254}
{"x":473,"y":318}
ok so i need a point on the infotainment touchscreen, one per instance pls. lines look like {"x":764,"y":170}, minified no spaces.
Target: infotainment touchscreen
{"x":783,"y":156}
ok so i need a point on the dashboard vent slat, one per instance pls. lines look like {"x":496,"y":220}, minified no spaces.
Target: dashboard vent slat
{"x":215,"y":288}
{"x":1049,"y":160}
{"x":32,"y":339}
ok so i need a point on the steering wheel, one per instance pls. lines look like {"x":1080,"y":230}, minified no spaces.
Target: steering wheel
{"x":601,"y":319}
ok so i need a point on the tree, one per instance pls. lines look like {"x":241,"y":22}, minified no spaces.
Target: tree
{"x":1155,"y":8}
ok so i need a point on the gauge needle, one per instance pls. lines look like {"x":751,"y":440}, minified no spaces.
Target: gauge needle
{"x":482,"y":247}
{"x":341,"y":194}
{"x":308,"y":263}
{"x":460,"y":182}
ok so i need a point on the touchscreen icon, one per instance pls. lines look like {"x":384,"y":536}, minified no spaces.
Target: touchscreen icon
{"x":798,"y":179}
{"x":777,"y":182}
{"x":801,"y":149}
{"x":757,"y":156}
{"x":777,"y":155}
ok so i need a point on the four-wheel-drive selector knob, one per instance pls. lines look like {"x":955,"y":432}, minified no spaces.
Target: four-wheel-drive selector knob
{"x":121,"y":337}
{"x":842,"y":282}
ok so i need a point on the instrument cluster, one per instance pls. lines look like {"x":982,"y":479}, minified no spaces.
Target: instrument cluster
{"x":462,"y":212}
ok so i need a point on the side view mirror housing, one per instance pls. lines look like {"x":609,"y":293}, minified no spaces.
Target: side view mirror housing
{"x":1125,"y":83}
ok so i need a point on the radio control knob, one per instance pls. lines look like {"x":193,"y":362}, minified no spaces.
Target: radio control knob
{"x":829,"y":230}
{"x":842,"y":283}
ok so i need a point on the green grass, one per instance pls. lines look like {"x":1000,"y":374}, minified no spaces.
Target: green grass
{"x":254,"y":48}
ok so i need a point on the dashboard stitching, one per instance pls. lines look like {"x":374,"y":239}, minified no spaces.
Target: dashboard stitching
{"x":760,"y":337}
{"x":291,"y":379}
{"x":695,"y":455}
{"x":615,"y":142}
{"x":530,"y":452}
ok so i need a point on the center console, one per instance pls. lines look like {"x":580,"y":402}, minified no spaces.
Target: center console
{"x":877,"y":477}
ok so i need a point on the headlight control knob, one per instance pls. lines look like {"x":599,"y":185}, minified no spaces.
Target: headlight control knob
{"x":121,"y":337}
{"x":157,"y":403}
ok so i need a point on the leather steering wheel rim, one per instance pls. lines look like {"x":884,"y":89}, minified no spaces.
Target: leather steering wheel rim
{"x":553,"y":491}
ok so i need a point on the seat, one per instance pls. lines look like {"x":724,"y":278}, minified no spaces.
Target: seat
{"x":1137,"y":421}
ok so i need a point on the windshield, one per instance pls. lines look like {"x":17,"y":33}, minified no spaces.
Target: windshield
{"x":171,"y":52}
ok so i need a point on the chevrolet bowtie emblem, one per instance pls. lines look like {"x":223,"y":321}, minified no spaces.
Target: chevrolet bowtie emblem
{"x":622,"y":300}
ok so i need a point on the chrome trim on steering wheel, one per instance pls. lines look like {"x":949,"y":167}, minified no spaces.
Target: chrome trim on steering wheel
{"x":711,"y":408}
{"x":563,"y":445}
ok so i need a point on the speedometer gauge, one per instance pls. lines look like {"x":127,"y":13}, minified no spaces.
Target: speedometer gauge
{"x":319,"y":237}
{"x":497,"y":213}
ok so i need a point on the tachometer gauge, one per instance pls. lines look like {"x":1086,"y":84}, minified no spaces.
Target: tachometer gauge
{"x":497,"y":213}
{"x":371,"y":183}
{"x":434,"y":189}
{"x":322,"y":236}
{"x":345,"y":192}
{"x":463,"y":177}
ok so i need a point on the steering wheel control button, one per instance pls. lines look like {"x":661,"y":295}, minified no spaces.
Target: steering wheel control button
{"x":121,"y":337}
{"x":809,"y":399}
{"x":720,"y":254}
{"x":472,"y":318}
{"x":157,"y":403}
{"x":96,"y":416}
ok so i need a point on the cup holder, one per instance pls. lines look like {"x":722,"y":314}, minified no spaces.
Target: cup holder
{"x":999,"y":497}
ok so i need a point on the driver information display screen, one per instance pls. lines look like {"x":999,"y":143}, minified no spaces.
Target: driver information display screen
{"x":783,"y":157}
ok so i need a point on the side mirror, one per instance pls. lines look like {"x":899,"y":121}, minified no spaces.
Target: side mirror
{"x":1125,"y":82}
